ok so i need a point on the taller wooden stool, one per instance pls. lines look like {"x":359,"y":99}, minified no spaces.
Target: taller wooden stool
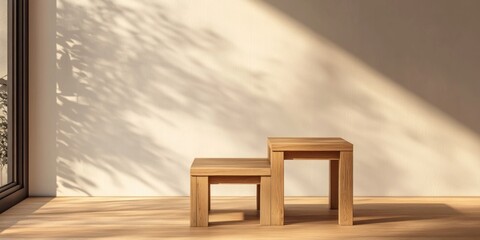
{"x":206,"y":171}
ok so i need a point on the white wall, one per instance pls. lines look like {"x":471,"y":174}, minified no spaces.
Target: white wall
{"x":124,"y":94}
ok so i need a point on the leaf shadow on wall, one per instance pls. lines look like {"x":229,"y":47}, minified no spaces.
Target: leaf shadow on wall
{"x":105,"y":75}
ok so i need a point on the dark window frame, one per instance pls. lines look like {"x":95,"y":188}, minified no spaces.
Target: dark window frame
{"x":17,"y":189}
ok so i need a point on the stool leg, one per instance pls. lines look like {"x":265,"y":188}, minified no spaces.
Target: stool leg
{"x":345,"y":208}
{"x":333,"y":195}
{"x":265,"y":195}
{"x":193,"y":201}
{"x":277,"y":188}
{"x":202,"y":201}
{"x":209,"y":198}
{"x":258,"y":197}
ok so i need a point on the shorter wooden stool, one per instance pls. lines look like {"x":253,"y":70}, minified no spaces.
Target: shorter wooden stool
{"x":206,"y":171}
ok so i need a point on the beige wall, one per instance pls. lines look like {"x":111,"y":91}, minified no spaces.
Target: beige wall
{"x":124,"y":94}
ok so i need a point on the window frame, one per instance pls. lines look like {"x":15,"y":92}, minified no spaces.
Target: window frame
{"x":17,"y":190}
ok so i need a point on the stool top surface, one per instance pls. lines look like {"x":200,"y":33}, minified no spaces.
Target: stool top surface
{"x":308,"y":144}
{"x":230,"y":167}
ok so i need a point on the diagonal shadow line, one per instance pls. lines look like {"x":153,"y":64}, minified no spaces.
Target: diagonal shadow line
{"x":411,"y":42}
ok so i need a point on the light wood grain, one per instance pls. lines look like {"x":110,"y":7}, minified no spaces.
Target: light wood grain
{"x":226,"y":171}
{"x":193,"y":201}
{"x":277,"y":188}
{"x":309,"y":144}
{"x":236,"y":218}
{"x":230,"y":167}
{"x":341,"y":188}
{"x":333,"y":193}
{"x":202,"y":202}
{"x":265,"y":194}
{"x":345,"y":190}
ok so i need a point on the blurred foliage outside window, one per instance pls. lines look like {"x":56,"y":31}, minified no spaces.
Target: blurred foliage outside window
{"x":3,"y":127}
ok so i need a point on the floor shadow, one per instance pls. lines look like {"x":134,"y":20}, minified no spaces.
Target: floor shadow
{"x":369,"y":213}
{"x":304,"y":213}
{"x":21,"y":212}
{"x":398,"y":212}
{"x":224,"y":216}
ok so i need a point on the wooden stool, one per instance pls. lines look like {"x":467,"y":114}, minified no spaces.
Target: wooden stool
{"x":206,"y":171}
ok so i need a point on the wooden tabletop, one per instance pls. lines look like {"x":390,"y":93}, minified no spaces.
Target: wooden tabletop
{"x":278,"y":144}
{"x":230,"y":166}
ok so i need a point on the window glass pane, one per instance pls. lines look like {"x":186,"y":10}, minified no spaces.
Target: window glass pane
{"x":4,"y":163}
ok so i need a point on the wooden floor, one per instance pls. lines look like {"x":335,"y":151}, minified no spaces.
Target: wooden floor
{"x":236,"y":218}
